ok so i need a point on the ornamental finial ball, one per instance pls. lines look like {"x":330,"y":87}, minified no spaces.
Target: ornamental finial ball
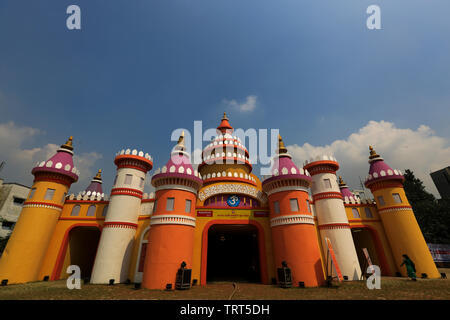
{"x":99,"y":174}
{"x":281,"y":148}
{"x":373,"y":153}
{"x":181,"y":138}
{"x":68,"y":145}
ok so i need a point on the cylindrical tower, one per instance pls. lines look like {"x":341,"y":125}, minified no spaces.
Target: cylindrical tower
{"x":294,"y":234}
{"x":331,"y":217}
{"x":116,"y":242}
{"x":171,"y":235}
{"x":397,"y":216}
{"x":21,"y":261}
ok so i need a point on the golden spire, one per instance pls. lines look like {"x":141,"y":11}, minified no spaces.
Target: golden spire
{"x":181,"y":140}
{"x":99,"y":175}
{"x":281,"y":148}
{"x":180,"y":144}
{"x":341,"y":181}
{"x":373,"y":153}
{"x":224,"y":116}
{"x":68,"y":145}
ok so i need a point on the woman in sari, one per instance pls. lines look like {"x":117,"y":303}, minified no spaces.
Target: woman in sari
{"x":410,"y":267}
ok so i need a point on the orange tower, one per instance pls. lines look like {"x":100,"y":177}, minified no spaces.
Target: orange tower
{"x":294,"y":234}
{"x":171,"y":235}
{"x":25,"y":251}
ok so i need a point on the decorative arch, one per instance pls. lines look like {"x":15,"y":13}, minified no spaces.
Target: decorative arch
{"x":215,"y":201}
{"x":63,"y":248}
{"x":232,"y":188}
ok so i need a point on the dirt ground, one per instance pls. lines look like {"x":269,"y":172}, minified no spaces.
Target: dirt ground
{"x":391,"y":289}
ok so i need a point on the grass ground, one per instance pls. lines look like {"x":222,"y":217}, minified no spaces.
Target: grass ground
{"x":391,"y":289}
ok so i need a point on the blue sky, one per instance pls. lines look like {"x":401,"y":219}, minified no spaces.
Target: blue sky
{"x":140,"y":69}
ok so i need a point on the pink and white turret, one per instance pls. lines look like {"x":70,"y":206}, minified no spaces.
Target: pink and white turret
{"x":95,"y":187}
{"x":116,"y":242}
{"x":346,"y":193}
{"x":332,"y":219}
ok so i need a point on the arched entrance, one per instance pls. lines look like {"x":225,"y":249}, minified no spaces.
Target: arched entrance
{"x":233,"y":253}
{"x":79,"y":248}
{"x":261,"y":247}
{"x":367,"y":237}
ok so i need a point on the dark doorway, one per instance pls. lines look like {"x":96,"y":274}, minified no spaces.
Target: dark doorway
{"x":82,"y":248}
{"x":233,"y":253}
{"x":362,"y":238}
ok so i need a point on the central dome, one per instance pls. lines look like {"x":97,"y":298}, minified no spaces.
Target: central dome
{"x":226,"y":158}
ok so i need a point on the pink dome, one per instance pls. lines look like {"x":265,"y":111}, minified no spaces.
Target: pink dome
{"x":96,"y":184}
{"x":61,"y":163}
{"x":284,"y":168}
{"x":180,"y":161}
{"x":178,"y":166}
{"x":345,"y":190}
{"x":380,"y":171}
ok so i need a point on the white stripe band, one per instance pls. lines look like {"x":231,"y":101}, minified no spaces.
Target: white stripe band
{"x":172,"y":219}
{"x":292,"y":219}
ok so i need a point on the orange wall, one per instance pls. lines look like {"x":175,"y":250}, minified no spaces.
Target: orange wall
{"x":169,"y":244}
{"x":296,"y":243}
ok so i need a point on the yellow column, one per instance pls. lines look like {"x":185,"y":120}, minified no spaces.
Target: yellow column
{"x":25,"y":251}
{"x":402,"y":229}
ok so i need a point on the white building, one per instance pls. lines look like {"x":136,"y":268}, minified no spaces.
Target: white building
{"x":12,"y":197}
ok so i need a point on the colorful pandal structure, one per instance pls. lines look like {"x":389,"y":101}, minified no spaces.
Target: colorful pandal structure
{"x":219,"y":220}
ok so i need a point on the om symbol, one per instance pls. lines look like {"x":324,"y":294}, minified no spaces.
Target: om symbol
{"x":233,"y":201}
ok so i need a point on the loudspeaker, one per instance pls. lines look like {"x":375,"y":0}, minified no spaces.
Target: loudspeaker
{"x":443,"y":275}
{"x":301,"y":284}
{"x":284,"y":277}
{"x":194,"y":282}
{"x":111,"y":282}
{"x":424,"y":276}
{"x":46,"y":278}
{"x":183,"y":280}
{"x":168,"y":286}
{"x":4,"y":282}
{"x":345,"y":278}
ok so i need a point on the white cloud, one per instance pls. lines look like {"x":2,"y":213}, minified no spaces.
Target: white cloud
{"x":20,"y":160}
{"x":421,"y":151}
{"x":247,"y":106}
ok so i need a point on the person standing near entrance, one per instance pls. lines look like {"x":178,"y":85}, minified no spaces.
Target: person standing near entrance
{"x":410,"y":267}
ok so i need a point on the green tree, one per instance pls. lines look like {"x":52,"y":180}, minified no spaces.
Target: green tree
{"x":431,"y":214}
